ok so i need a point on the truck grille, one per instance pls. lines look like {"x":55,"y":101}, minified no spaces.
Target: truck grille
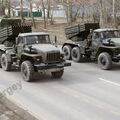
{"x":53,"y":57}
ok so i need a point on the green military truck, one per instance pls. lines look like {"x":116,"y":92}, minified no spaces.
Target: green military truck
{"x":101,"y":45}
{"x":32,"y":52}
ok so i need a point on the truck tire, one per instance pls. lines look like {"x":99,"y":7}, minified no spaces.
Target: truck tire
{"x":6,"y":65}
{"x":67,"y":50}
{"x":76,"y":55}
{"x":105,"y":61}
{"x":8,"y":44}
{"x":57,"y":74}
{"x":27,"y":71}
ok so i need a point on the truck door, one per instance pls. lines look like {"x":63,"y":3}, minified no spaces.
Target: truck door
{"x":20,"y":46}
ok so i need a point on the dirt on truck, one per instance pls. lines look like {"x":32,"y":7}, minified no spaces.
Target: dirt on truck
{"x":91,"y":42}
{"x":30,"y":51}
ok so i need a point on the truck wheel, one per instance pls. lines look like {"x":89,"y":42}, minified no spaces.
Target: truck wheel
{"x":8,"y":44}
{"x":6,"y":65}
{"x":76,"y":55}
{"x":57,"y":74}
{"x":27,"y":71}
{"x":67,"y":50}
{"x":105,"y":61}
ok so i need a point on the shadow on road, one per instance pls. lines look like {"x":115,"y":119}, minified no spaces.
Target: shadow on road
{"x":44,"y":77}
{"x":116,"y":67}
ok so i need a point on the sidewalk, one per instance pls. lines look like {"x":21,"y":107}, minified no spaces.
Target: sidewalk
{"x":7,"y":114}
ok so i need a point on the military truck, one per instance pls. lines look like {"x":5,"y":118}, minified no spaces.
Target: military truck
{"x":101,"y":45}
{"x":33,"y":52}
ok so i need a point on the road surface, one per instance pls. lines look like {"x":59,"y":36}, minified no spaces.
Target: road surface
{"x":84,"y":93}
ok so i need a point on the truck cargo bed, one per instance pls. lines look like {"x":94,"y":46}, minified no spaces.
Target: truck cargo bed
{"x":80,"y":29}
{"x":11,"y":32}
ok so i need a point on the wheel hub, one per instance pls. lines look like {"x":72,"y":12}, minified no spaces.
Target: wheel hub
{"x":103,"y":61}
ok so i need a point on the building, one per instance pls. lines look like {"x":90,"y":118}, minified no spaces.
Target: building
{"x":37,"y":12}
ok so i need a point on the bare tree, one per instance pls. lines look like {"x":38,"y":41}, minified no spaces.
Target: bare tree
{"x":101,"y":14}
{"x":31,"y":14}
{"x":44,"y":5}
{"x":68,"y":9}
{"x":48,"y":8}
{"x":44,"y":13}
{"x":72,"y":9}
{"x":114,"y":13}
{"x":21,"y":10}
{"x":2,"y":8}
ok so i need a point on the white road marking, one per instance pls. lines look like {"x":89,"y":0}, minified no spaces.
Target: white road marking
{"x":110,"y":82}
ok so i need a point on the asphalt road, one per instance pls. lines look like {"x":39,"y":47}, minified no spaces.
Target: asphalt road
{"x":84,"y":93}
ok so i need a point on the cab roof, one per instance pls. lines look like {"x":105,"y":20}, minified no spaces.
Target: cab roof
{"x":33,"y":34}
{"x":105,"y":29}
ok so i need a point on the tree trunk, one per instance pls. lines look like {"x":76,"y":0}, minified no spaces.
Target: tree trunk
{"x":43,"y":6}
{"x":70,"y":12}
{"x":2,"y":9}
{"x":31,"y":14}
{"x":114,"y":15}
{"x":48,"y":12}
{"x":9,"y":7}
{"x":21,"y":11}
{"x":101,"y":14}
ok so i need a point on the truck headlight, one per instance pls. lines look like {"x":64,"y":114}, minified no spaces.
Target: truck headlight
{"x":33,"y":51}
{"x":62,"y":56}
{"x":38,"y":59}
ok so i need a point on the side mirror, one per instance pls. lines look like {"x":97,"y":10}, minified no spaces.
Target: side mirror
{"x":55,"y":41}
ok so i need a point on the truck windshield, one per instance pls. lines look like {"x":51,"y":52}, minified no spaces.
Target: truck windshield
{"x":111,"y":34}
{"x":37,"y":39}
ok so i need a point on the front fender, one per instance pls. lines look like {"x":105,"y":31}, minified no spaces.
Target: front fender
{"x":104,"y":49}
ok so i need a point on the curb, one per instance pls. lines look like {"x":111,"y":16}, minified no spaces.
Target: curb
{"x":17,"y":108}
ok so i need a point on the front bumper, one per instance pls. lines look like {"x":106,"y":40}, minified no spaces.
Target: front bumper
{"x":117,"y":57}
{"x":43,"y":66}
